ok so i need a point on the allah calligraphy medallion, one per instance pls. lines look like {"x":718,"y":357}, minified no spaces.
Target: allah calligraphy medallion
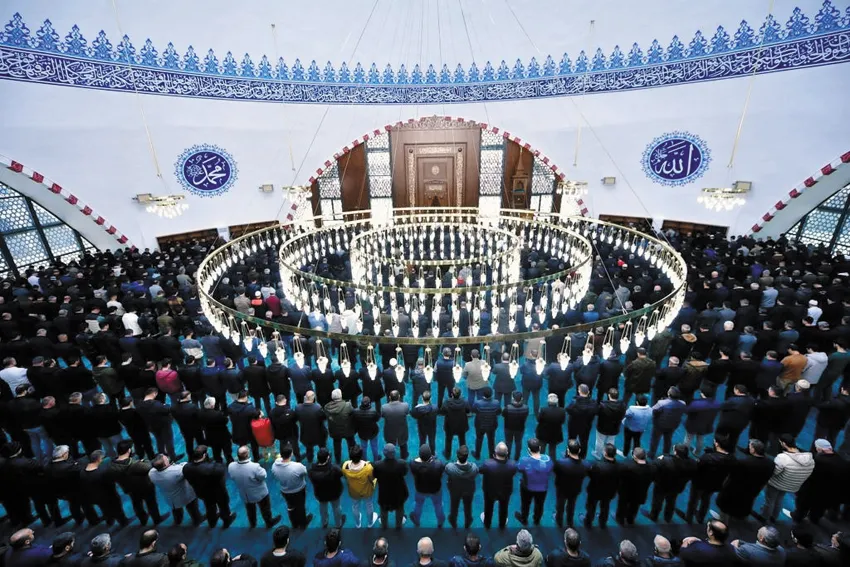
{"x":206,"y":170}
{"x":677,"y":158}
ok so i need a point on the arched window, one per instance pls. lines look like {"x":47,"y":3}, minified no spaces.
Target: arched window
{"x":30,"y":235}
{"x":827,"y":224}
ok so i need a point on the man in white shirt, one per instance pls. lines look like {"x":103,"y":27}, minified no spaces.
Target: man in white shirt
{"x":13,"y":375}
{"x":119,"y":307}
{"x":131,"y":321}
{"x":814,"y":312}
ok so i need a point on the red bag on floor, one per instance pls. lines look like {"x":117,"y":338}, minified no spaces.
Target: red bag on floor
{"x":262,"y":428}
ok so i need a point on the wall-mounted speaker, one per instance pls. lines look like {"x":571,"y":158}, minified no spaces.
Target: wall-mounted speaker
{"x":609,"y":181}
{"x":267,"y":188}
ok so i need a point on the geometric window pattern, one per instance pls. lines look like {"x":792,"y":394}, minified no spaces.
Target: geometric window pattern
{"x":826,"y":225}
{"x":542,"y":179}
{"x":329,"y":186}
{"x":30,"y":235}
{"x":492,"y":168}
{"x":379,"y":166}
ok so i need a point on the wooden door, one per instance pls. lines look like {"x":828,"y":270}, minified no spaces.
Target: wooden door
{"x":435,"y":185}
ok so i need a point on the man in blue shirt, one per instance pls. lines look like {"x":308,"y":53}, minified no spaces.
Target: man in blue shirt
{"x":535,"y":469}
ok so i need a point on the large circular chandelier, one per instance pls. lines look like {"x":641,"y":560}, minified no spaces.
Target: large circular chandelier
{"x":420,"y":263}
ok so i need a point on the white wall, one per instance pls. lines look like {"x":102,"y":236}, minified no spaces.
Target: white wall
{"x":94,"y":142}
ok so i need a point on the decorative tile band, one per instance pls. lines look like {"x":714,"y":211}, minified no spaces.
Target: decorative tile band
{"x":54,"y":187}
{"x":44,"y":57}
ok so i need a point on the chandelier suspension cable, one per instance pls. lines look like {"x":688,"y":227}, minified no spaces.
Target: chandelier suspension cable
{"x":328,"y":107}
{"x":590,"y":127}
{"x":472,"y":54}
{"x":752,"y":80}
{"x":139,"y":99}
{"x":288,"y":132}
{"x":583,"y":92}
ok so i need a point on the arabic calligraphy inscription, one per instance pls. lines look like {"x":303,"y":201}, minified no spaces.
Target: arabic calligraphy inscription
{"x":206,"y":170}
{"x":676,"y":158}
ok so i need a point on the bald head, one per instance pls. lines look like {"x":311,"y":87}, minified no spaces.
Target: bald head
{"x":21,"y":538}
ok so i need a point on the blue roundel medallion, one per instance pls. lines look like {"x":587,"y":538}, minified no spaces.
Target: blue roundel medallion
{"x":206,"y":170}
{"x":677,"y":158}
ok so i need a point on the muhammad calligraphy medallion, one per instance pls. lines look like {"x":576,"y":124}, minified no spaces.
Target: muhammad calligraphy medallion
{"x":676,"y":158}
{"x":206,"y":170}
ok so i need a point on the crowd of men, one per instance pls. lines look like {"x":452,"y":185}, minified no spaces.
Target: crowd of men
{"x":111,"y":355}
{"x":714,"y":549}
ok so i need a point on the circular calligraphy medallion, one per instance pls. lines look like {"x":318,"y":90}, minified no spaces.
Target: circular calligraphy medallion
{"x":206,"y":170}
{"x":676,"y":158}
{"x":435,"y":169}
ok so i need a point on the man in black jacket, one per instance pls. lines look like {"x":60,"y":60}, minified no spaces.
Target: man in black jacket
{"x":63,"y":482}
{"x":392,"y":486}
{"x":327,"y":487}
{"x":610,"y":418}
{"x":487,"y":411}
{"x":456,"y":424}
{"x":550,"y":426}
{"x":560,"y":381}
{"x":735,"y":413}
{"x":190,"y":376}
{"x":147,"y":556}
{"x":635,"y":477}
{"x":285,"y":425}
{"x":669,"y":376}
{"x":768,"y":417}
{"x":131,"y":474}
{"x":672,"y":475}
{"x":582,"y":411}
{"x":277,"y":377}
{"x":75,"y":418}
{"x":604,"y":480}
{"x":569,"y":476}
{"x":498,"y":484}
{"x":207,"y":479}
{"x":216,"y":432}
{"x":425,"y":414}
{"x":747,"y":478}
{"x":258,"y":386}
{"x":712,"y":469}
{"x":135,"y":427}
{"x":103,"y":418}
{"x":311,"y":420}
{"x":187,"y":416}
{"x":609,"y":375}
{"x":817,"y":495}
{"x":25,"y":480}
{"x":427,"y":473}
{"x":242,"y":412}
{"x":158,"y":418}
{"x":515,"y":414}
{"x":365,"y":420}
{"x":833,"y":415}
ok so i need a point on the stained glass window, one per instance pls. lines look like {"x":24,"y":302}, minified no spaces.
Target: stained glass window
{"x":14,"y":214}
{"x":491,"y":177}
{"x":490,"y":139}
{"x":827,"y":224}
{"x":61,"y":239}
{"x":379,"y":163}
{"x":26,"y":248}
{"x":45,"y":217}
{"x":33,"y":235}
{"x":329,"y":186}
{"x":379,"y":166}
{"x":542,"y":178}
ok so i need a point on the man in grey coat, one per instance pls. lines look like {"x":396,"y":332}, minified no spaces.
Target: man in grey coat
{"x":250,"y":479}
{"x":475,"y":379}
{"x":168,"y":477}
{"x":395,"y":422}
